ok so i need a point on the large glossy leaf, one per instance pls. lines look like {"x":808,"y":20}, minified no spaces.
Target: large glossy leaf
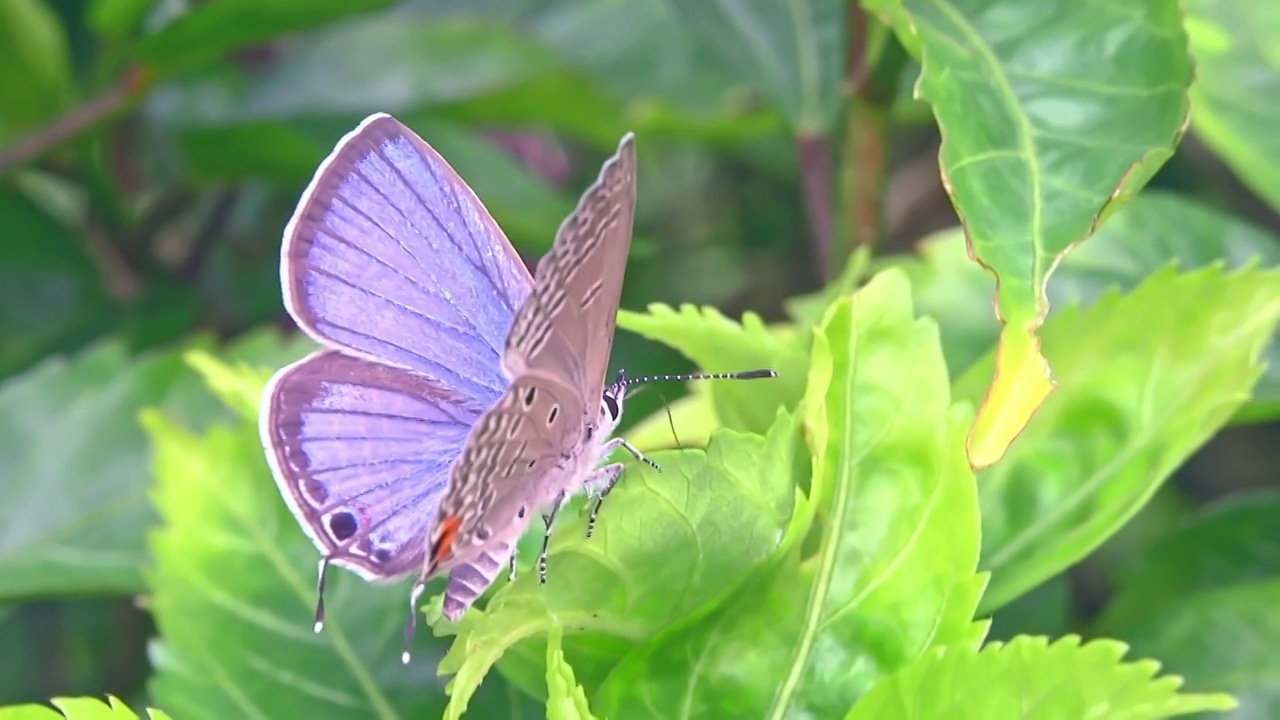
{"x":669,"y":548}
{"x":892,"y":571}
{"x":1031,"y":678}
{"x":76,"y":514}
{"x":1238,"y":68}
{"x":1151,"y":232}
{"x":1048,"y":111}
{"x":791,"y":52}
{"x":233,"y":590}
{"x":1234,"y":541}
{"x":1144,"y":380}
{"x":207,"y":31}
{"x":1223,"y":638}
{"x":718,"y":344}
{"x":81,"y":708}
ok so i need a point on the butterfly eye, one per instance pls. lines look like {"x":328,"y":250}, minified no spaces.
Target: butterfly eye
{"x":611,"y":404}
{"x":343,"y":525}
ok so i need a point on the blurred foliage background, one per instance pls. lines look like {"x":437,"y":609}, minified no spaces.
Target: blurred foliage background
{"x":151,"y":151}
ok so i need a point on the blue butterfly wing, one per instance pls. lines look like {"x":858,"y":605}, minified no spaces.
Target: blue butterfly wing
{"x":391,"y":257}
{"x":361,"y":453}
{"x":391,"y":262}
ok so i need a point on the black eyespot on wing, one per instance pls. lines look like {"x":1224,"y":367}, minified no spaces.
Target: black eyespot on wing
{"x":523,"y":511}
{"x":532,"y":463}
{"x":555,"y":412}
{"x":483,"y":533}
{"x":382,"y":555}
{"x":611,"y":403}
{"x":343,"y":525}
{"x":529,"y":396}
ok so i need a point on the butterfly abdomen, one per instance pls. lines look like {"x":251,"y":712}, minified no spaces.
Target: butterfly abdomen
{"x":468,"y":581}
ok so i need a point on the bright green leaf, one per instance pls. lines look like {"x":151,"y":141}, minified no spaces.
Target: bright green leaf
{"x":1030,"y":678}
{"x":565,"y":698}
{"x":718,"y":344}
{"x":1149,"y":233}
{"x":1221,"y":639}
{"x":76,"y":511}
{"x":1238,"y":72}
{"x":1236,"y":540}
{"x":669,"y":547}
{"x":892,"y":570}
{"x":1047,"y":111}
{"x":693,"y":418}
{"x":208,"y":31}
{"x":792,"y":52}
{"x":35,"y":66}
{"x":1144,"y":380}
{"x":82,"y":708}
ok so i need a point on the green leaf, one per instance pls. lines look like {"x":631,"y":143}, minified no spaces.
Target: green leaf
{"x":718,"y":344}
{"x":792,"y":52}
{"x":35,"y":66}
{"x":1031,"y":678}
{"x":82,"y":708}
{"x":1144,"y":380}
{"x":51,"y":298}
{"x":565,"y":697}
{"x":1222,"y":638}
{"x":1236,"y":540}
{"x":1031,"y":177}
{"x":1149,"y":233}
{"x":76,"y":511}
{"x":890,"y":569}
{"x":210,"y":30}
{"x":1234,"y":43}
{"x":669,"y":547}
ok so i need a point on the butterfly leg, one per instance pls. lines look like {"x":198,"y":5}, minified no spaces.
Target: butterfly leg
{"x":549,"y":519}
{"x":604,"y":479}
{"x":635,"y":452}
{"x":511,"y":566}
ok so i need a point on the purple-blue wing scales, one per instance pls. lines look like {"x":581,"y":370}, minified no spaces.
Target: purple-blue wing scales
{"x":361,"y":452}
{"x":392,"y":257}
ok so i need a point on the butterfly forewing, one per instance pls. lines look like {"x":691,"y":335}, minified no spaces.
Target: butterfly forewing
{"x":565,"y":329}
{"x":390,"y":256}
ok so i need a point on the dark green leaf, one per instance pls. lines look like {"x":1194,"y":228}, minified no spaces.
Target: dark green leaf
{"x":892,"y":570}
{"x":792,"y":52}
{"x":210,"y":30}
{"x":1030,"y":678}
{"x":51,"y":298}
{"x":1221,"y":639}
{"x":1234,"y":541}
{"x":1143,"y":380}
{"x":35,"y":67}
{"x":1234,"y":43}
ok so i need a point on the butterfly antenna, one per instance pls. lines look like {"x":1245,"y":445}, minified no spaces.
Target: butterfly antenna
{"x":748,"y":375}
{"x":324,"y":568}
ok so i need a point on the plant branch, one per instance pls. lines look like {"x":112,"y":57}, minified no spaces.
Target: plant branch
{"x":815,"y":179}
{"x":114,"y":100}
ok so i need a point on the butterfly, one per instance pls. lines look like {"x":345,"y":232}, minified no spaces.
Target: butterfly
{"x":455,"y":395}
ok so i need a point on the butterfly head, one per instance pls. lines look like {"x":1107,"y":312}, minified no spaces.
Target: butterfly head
{"x":615,"y":395}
